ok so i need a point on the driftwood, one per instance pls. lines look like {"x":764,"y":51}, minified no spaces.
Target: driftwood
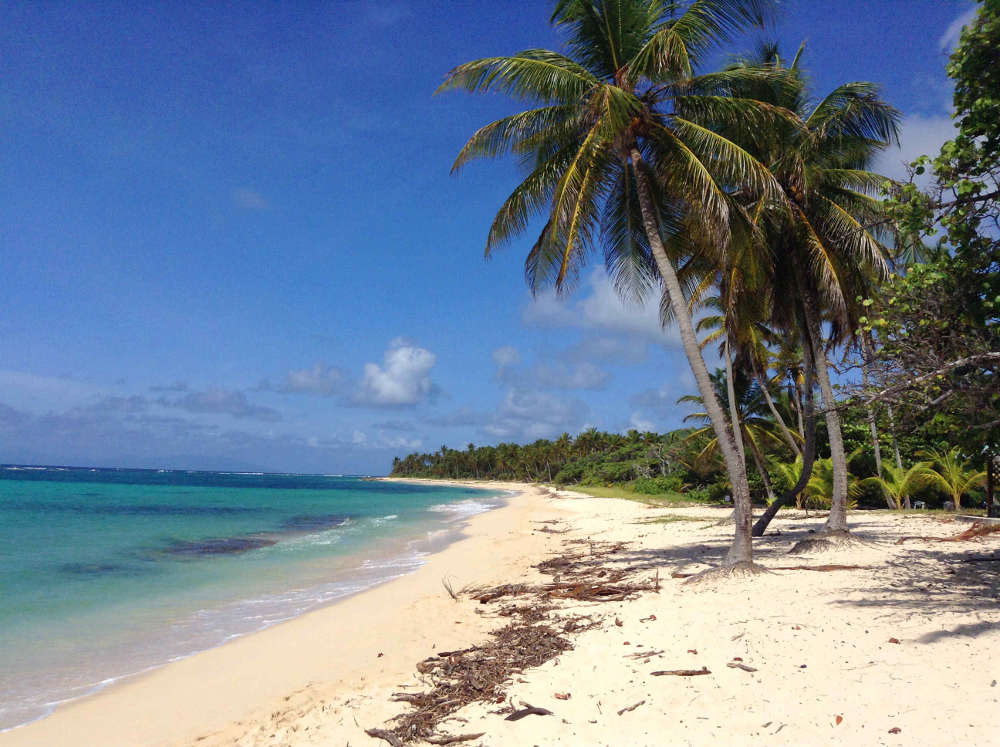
{"x":388,"y":736}
{"x":528,"y":710}
{"x":682,"y":672}
{"x":451,"y":739}
{"x":978,"y":529}
{"x":631,"y":707}
{"x":740,"y":665}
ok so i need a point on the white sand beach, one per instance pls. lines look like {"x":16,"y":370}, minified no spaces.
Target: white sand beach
{"x":897,"y":651}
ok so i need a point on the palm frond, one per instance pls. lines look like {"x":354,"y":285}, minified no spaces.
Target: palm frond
{"x":534,"y":74}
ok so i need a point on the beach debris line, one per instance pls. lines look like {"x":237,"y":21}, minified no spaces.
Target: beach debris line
{"x":587,"y":571}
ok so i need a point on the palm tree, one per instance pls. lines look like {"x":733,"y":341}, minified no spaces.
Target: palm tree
{"x":616,"y":158}
{"x":825,"y":255}
{"x":898,"y":485}
{"x":744,"y":398}
{"x":952,"y":474}
{"x":819,"y":491}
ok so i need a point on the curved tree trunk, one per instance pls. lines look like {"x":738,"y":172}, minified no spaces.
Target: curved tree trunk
{"x":867,"y":354}
{"x":808,"y":448}
{"x":785,"y":432}
{"x":741,"y":550}
{"x":837,"y":520}
{"x":734,"y":410}
{"x":758,"y":460}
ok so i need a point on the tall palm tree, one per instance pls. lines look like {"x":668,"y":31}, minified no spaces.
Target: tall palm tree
{"x":952,"y":474}
{"x":825,"y":254}
{"x":616,"y":159}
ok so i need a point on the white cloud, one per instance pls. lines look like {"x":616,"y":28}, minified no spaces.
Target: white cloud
{"x":640,"y":423}
{"x":602,"y":310}
{"x":505,"y":357}
{"x":952,"y":34}
{"x":320,"y":379}
{"x":248,"y":199}
{"x":919,"y":135}
{"x":403,"y":379}
{"x":559,"y":375}
{"x":531,"y":415}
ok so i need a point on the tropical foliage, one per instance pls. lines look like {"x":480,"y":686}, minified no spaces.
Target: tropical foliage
{"x":741,"y":197}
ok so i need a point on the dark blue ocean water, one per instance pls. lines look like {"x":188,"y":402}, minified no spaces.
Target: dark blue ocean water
{"x":108,"y":572}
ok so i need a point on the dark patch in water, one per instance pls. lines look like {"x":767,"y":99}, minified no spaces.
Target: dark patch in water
{"x":93,"y":570}
{"x":313,"y":523}
{"x":218,"y":546}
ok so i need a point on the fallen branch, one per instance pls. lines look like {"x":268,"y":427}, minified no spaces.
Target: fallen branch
{"x":978,"y":529}
{"x":528,"y":710}
{"x":740,"y":665}
{"x":631,"y":707}
{"x":451,"y":739}
{"x":682,"y":672}
{"x":388,"y":736}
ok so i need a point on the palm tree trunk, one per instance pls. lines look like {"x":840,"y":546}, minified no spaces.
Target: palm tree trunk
{"x":785,"y":432}
{"x":837,"y":520}
{"x":808,"y":448}
{"x":741,"y":550}
{"x":867,"y":354}
{"x":758,"y":460}
{"x":734,"y":411}
{"x":797,"y":399}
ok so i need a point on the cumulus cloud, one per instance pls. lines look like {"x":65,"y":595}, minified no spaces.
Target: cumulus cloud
{"x":640,"y":423}
{"x":505,"y":357}
{"x":223,"y":402}
{"x":560,"y":375}
{"x":319,"y":379}
{"x":919,"y":135}
{"x":402,"y":380}
{"x":953,"y":33}
{"x":532,"y":415}
{"x":601,"y":310}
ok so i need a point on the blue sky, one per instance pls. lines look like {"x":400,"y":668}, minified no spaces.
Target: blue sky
{"x":229,"y":237}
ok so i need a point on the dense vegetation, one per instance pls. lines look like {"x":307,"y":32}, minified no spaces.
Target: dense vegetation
{"x":743,"y":193}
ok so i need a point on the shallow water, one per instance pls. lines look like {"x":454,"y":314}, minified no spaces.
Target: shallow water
{"x":105,"y":573}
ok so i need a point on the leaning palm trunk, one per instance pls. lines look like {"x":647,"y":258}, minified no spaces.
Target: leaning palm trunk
{"x":837,"y":520}
{"x":785,"y":432}
{"x":867,"y":354}
{"x":808,"y":449}
{"x":758,"y":460}
{"x":741,"y":550}
{"x":734,"y":412}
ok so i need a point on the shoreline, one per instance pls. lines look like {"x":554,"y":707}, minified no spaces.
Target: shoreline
{"x":78,"y":720}
{"x":877,"y":643}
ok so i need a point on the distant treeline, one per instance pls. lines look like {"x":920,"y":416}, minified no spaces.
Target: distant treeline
{"x":649,"y":462}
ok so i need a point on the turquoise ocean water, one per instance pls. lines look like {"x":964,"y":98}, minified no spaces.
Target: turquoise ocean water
{"x":110,"y":572}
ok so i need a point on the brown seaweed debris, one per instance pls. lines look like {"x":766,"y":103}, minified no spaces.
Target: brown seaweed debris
{"x":534,"y":635}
